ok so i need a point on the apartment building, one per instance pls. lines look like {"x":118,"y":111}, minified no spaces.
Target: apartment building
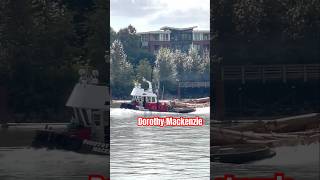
{"x":175,"y":38}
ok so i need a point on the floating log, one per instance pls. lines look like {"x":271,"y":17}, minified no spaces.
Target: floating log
{"x":239,"y":154}
{"x":199,"y":100}
{"x":179,"y":104}
{"x":223,"y":136}
{"x":283,"y":125}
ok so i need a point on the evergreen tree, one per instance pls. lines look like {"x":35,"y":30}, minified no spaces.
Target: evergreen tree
{"x":121,"y":71}
{"x":205,"y":66}
{"x":36,"y":52}
{"x":144,"y":69}
{"x":193,"y":65}
{"x":263,"y":32}
{"x":132,"y":45}
{"x":113,"y":35}
{"x":180,"y":63}
{"x":96,"y":44}
{"x":165,"y":69}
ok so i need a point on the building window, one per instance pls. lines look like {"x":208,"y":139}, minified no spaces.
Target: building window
{"x":206,"y":36}
{"x":154,"y":37}
{"x":185,"y":37}
{"x":197,"y":36}
{"x":201,"y":36}
{"x":144,"y":37}
{"x":164,"y":37}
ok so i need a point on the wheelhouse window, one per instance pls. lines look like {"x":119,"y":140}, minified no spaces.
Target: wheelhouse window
{"x":96,"y":117}
{"x":85,"y":116}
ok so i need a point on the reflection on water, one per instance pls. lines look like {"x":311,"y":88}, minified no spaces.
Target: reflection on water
{"x":164,"y":153}
{"x":31,"y":164}
{"x":23,"y":163}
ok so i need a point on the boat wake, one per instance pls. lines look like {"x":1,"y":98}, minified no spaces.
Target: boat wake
{"x":203,"y":111}
{"x":119,"y":112}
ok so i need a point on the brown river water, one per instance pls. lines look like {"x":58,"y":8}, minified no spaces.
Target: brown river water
{"x":144,"y":153}
{"x":18,"y":161}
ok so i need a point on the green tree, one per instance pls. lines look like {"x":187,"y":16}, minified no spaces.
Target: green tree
{"x":263,"y":32}
{"x":121,"y":71}
{"x":165,"y":70}
{"x":193,"y":65}
{"x":144,"y":69}
{"x":180,"y":59}
{"x":113,"y":35}
{"x":36,"y":54}
{"x":205,"y":66}
{"x":248,"y":16}
{"x":97,"y":37}
{"x":132,"y":45}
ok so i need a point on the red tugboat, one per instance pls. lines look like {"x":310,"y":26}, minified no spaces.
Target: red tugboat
{"x":88,"y":131}
{"x":147,"y":100}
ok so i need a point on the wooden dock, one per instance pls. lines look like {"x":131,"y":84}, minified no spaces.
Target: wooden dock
{"x":265,"y":73}
{"x":285,"y":84}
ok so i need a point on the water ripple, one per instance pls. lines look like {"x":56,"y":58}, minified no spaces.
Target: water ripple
{"x":166,"y":153}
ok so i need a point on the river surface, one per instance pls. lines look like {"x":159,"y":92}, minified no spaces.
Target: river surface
{"x":18,"y":161}
{"x":174,"y":153}
{"x":300,"y":162}
{"x":158,"y":153}
{"x":145,"y":153}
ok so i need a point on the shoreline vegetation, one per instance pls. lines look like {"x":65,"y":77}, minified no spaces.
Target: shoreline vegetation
{"x":129,"y":63}
{"x":43,"y":45}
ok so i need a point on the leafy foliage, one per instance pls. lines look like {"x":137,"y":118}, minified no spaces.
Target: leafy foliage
{"x":96,"y":43}
{"x":131,"y":44}
{"x":121,"y":71}
{"x":41,"y":49}
{"x":144,"y":70}
{"x":263,"y":32}
{"x":173,"y":66}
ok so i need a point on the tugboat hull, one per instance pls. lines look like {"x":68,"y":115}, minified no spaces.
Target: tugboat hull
{"x":128,"y":106}
{"x":56,"y":140}
{"x":176,"y":110}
